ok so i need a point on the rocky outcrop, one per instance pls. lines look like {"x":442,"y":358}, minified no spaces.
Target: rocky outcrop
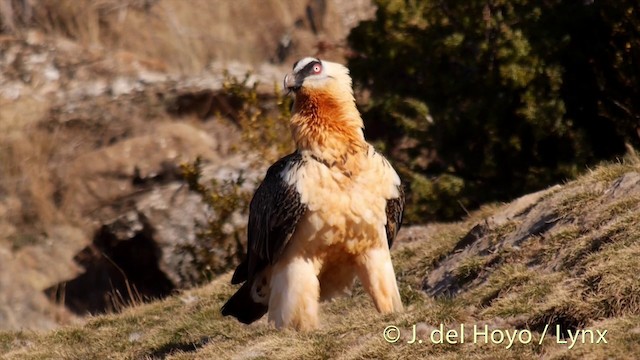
{"x":109,"y":174}
{"x":85,"y":147}
{"x":26,"y":272}
{"x":551,"y":215}
{"x":148,"y":244}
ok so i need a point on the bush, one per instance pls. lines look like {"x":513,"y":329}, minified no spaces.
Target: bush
{"x":262,"y":120}
{"x":480,"y":101}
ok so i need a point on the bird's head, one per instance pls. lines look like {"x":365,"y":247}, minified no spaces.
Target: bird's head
{"x":325,"y":119}
{"x":311,"y":74}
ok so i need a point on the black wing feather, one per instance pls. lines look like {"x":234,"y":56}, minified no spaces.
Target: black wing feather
{"x":395,"y":211}
{"x":274,"y":213}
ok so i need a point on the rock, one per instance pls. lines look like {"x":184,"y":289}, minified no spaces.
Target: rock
{"x":104,"y":176}
{"x":50,"y":261}
{"x":150,"y":246}
{"x":24,"y":275}
{"x":534,"y":216}
{"x":20,"y":306}
{"x":625,"y":186}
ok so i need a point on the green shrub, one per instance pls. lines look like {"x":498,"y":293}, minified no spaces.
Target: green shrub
{"x":479,"y":101}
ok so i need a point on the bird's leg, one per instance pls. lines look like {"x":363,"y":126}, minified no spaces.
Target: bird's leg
{"x":375,"y":271}
{"x":295,"y":290}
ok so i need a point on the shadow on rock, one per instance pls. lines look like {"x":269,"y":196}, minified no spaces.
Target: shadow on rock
{"x":119,"y":272}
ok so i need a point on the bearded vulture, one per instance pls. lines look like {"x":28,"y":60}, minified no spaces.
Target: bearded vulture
{"x":323,"y":215}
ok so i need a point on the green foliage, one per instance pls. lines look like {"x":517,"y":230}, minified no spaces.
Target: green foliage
{"x":481,"y":101}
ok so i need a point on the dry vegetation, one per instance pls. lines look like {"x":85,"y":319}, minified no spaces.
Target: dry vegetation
{"x":187,"y":36}
{"x":582,"y":276}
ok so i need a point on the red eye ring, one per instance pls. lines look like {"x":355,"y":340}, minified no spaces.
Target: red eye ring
{"x":317,"y":68}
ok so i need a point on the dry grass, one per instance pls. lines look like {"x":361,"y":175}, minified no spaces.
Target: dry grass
{"x":186,"y":35}
{"x":25,"y":189}
{"x":26,"y":183}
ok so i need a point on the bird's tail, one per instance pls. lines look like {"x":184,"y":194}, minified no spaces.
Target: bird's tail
{"x":242,"y":307}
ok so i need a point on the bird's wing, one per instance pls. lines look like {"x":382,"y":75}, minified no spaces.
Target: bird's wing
{"x":274,"y":213}
{"x":395,"y":210}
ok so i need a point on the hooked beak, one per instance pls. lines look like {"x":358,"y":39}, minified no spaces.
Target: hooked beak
{"x":291,"y":83}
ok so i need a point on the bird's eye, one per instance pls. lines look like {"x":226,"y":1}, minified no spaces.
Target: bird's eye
{"x":317,"y":68}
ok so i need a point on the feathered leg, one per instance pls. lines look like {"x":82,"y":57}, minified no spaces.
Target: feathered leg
{"x":375,"y":271}
{"x":295,"y":290}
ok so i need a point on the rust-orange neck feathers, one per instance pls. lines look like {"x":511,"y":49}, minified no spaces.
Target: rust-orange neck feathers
{"x":327,"y":124}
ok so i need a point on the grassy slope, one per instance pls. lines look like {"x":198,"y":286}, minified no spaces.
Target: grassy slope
{"x":574,"y":276}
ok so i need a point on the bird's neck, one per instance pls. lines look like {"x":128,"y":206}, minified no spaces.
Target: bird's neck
{"x":327,"y":125}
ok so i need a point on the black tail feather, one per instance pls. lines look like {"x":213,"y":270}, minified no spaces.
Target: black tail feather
{"x":241,"y":274}
{"x":242,"y":307}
